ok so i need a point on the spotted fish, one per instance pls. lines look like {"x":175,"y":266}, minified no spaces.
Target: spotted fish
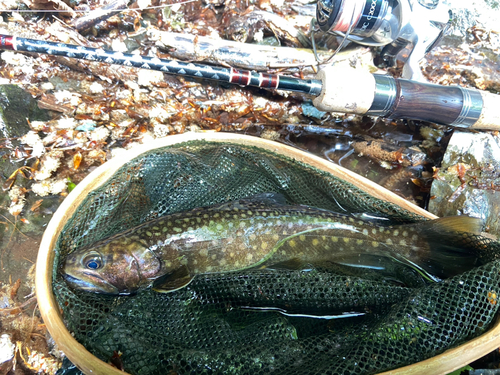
{"x":261,"y":231}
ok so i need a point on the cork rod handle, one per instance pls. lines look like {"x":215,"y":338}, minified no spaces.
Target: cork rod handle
{"x":490,"y":115}
{"x":345,"y":90}
{"x":348,"y":90}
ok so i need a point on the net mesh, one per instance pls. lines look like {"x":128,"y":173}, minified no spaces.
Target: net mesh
{"x":206,"y":327}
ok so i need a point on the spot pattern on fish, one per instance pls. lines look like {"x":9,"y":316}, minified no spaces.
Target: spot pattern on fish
{"x":169,"y":251}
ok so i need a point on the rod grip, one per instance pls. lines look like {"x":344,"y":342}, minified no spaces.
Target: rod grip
{"x":448,"y":105}
{"x":490,"y":115}
{"x":349,"y":90}
{"x":345,"y":90}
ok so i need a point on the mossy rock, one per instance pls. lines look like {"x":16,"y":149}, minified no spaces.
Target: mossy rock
{"x":16,"y":108}
{"x":16,"y":105}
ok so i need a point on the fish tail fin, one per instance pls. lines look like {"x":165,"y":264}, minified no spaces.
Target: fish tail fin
{"x":464,"y":224}
{"x":451,"y":244}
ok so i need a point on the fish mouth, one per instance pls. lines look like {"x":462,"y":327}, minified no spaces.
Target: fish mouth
{"x":103,"y":286}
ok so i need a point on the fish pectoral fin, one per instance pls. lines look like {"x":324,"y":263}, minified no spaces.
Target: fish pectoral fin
{"x":418,"y":268}
{"x":346,"y":314}
{"x":369,"y":261}
{"x":173,"y":281}
{"x":371,"y":218}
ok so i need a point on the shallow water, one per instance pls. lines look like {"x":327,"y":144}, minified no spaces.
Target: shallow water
{"x":20,"y":237}
{"x":19,"y":251}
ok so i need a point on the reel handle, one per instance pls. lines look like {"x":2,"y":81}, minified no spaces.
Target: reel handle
{"x":349,"y":90}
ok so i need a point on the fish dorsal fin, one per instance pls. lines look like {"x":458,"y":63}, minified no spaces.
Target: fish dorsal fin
{"x":172,"y":281}
{"x":260,"y":200}
{"x":266,"y":198}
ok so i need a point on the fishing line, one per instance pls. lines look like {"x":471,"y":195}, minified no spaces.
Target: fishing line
{"x":94,"y":10}
{"x":344,"y":26}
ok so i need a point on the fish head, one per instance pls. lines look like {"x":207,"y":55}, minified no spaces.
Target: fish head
{"x":118,"y":267}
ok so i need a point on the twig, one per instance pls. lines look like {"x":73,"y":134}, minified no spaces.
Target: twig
{"x":240,"y":55}
{"x":98,"y":15}
{"x":18,"y":309}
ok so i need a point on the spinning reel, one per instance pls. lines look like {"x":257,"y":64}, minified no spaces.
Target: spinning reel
{"x":408,"y":29}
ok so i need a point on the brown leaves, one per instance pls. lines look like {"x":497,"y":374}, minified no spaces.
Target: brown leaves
{"x":77,"y":159}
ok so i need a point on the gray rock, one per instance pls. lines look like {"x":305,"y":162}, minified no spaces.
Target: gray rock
{"x":468,"y":182}
{"x":468,"y":13}
{"x":65,"y":84}
{"x":37,"y":220}
{"x":6,"y":353}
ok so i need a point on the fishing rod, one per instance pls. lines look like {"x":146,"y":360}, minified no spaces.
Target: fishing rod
{"x":334,"y":90}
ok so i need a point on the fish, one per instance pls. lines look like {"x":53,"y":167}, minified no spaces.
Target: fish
{"x":264,"y":231}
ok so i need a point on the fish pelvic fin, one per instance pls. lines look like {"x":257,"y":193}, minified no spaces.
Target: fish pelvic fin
{"x":173,"y":281}
{"x":420,"y":270}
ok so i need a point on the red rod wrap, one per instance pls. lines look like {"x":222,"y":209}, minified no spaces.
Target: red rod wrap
{"x":7,"y":42}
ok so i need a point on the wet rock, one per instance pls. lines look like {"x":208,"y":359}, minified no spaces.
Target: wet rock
{"x":16,"y":105}
{"x":6,"y":354}
{"x":65,"y":84}
{"x":310,"y":111}
{"x":133,"y":43}
{"x":38,"y":212}
{"x":467,"y":14}
{"x":7,"y":168}
{"x":468,"y":182}
{"x":468,"y":55}
{"x":68,"y":368}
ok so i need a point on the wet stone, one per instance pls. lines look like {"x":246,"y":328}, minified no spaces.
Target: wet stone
{"x":468,"y":182}
{"x":16,"y":105}
{"x":7,"y":167}
{"x":65,"y":84}
{"x":467,"y":14}
{"x":38,"y":212}
{"x":6,"y":354}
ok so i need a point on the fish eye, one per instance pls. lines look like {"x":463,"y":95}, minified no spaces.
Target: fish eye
{"x":93,"y":262}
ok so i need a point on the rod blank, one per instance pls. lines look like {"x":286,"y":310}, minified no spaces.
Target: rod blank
{"x":229,"y":75}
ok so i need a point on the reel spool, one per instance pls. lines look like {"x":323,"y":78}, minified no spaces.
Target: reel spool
{"x":408,"y":29}
{"x":371,"y":22}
